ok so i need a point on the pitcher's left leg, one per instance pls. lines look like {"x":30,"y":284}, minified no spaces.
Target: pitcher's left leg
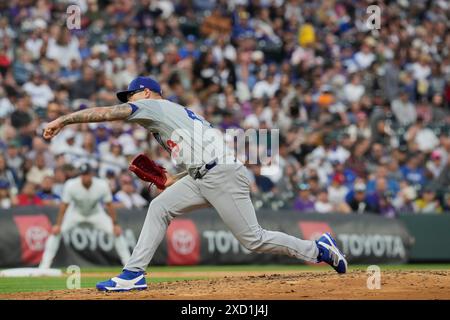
{"x":181,"y":197}
{"x":227,"y":189}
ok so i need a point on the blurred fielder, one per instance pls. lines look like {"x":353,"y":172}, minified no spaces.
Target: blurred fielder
{"x":82,"y":201}
{"x":214,"y":178}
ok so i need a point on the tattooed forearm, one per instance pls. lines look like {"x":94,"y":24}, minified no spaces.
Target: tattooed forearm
{"x":99,"y":114}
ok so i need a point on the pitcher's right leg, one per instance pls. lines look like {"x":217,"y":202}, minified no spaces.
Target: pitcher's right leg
{"x":227,"y":189}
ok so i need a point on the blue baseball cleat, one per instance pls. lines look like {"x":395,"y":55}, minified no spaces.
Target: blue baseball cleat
{"x":329,"y":253}
{"x":126,"y":281}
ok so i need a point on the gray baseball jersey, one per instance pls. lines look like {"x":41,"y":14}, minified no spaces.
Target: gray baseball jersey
{"x":225,"y":187}
{"x":191,"y":140}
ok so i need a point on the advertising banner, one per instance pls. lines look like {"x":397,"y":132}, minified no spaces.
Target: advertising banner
{"x":199,"y":238}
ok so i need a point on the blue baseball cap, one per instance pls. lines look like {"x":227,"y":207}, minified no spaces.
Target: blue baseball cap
{"x":137,"y":84}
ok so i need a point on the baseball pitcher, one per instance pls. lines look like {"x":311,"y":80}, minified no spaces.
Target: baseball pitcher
{"x":214,"y":178}
{"x":82,"y":202}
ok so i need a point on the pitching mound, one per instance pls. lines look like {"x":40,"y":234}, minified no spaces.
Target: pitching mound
{"x":285,"y":286}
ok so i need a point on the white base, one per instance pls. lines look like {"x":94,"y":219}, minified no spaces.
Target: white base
{"x":30,"y":272}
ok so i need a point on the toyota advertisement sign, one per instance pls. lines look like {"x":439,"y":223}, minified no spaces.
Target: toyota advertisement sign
{"x":198,"y":238}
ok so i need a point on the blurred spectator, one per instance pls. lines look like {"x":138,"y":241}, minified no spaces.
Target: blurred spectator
{"x":337,"y":191}
{"x":46,"y":194}
{"x":22,"y":117}
{"x":101,"y":133}
{"x":412,"y":171}
{"x":127,"y":196}
{"x":8,"y":175}
{"x":381,"y":176}
{"x":40,"y":146}
{"x":67,"y":144}
{"x":357,"y":162}
{"x":63,"y":48}
{"x":439,"y":111}
{"x":360,"y":129}
{"x":28,"y":196}
{"x":6,"y":107}
{"x":421,"y":69}
{"x":6,"y":199}
{"x":376,"y":157}
{"x":5,"y":62}
{"x":365,"y":57}
{"x":322,"y":204}
{"x":90,"y":152}
{"x":385,"y":206}
{"x":39,"y":91}
{"x":377,"y":199}
{"x":114,"y":160}
{"x":242,"y":27}
{"x":266,"y":86}
{"x":404,"y":201}
{"x":39,"y":170}
{"x":189,"y":50}
{"x":427,"y":203}
{"x":54,"y":110}
{"x":354,"y":90}
{"x":356,"y":199}
{"x":314,"y":184}
{"x":59,"y":179}
{"x":435,"y":165}
{"x":304,"y":201}
{"x":393,"y":174}
{"x":22,"y":68}
{"x":14,"y":158}
{"x":262,"y":183}
{"x":329,"y":151}
{"x":372,"y":108}
{"x":424,"y":138}
{"x":403,"y":109}
{"x":71,"y":74}
{"x":86,"y":86}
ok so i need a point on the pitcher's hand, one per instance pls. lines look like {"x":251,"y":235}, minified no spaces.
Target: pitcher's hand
{"x":52,"y":129}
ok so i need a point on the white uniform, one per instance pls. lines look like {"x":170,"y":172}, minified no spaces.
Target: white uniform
{"x":221,"y":183}
{"x":85,"y":206}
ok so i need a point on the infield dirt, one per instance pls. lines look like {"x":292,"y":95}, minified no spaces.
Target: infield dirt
{"x":287,"y":285}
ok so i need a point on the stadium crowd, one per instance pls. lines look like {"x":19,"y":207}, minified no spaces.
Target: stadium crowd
{"x":363,"y":113}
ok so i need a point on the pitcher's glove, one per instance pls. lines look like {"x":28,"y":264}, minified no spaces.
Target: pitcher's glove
{"x":148,"y":170}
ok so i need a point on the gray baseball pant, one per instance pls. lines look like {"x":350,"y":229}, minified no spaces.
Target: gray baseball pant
{"x":226,"y":188}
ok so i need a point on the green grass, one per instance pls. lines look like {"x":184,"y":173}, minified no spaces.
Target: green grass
{"x":33,"y":284}
{"x":270,"y":267}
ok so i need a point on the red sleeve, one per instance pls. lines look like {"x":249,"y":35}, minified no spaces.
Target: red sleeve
{"x":38,"y":201}
{"x":21,"y":200}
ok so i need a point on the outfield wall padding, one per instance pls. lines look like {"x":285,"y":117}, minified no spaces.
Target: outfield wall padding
{"x":202,"y":238}
{"x":431,"y":234}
